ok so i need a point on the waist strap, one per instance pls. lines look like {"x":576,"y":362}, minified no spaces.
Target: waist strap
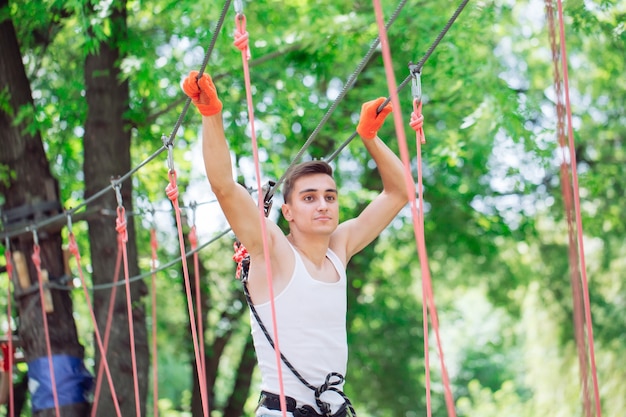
{"x":272,"y":402}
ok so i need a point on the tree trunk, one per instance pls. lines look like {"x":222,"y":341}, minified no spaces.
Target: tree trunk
{"x":30,"y":195}
{"x":107,"y":154}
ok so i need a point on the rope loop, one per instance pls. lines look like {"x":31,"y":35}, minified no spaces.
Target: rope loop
{"x":193,"y":237}
{"x":242,"y":258}
{"x":120,"y":224}
{"x":332,"y":380}
{"x":36,"y":257}
{"x":241,"y":35}
{"x":73,"y":246}
{"x":172,"y":189}
{"x":417,"y":121}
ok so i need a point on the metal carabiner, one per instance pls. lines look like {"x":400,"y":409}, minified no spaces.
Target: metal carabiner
{"x":416,"y":82}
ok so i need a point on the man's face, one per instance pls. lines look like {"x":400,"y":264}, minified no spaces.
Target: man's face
{"x":313,"y":204}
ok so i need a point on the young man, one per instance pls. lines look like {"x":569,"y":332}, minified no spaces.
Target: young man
{"x":308,"y":265}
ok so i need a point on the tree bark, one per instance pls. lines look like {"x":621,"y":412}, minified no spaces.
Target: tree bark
{"x":30,"y":194}
{"x":107,"y":154}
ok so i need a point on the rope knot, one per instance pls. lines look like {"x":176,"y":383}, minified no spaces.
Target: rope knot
{"x":417,"y":122}
{"x":73,"y":246}
{"x":172,"y":189}
{"x":332,"y":379}
{"x":120,"y":224}
{"x":36,"y":257}
{"x":193,"y":237}
{"x":241,"y":35}
{"x":242,"y":257}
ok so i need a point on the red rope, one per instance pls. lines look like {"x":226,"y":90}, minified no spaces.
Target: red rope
{"x":123,"y":233}
{"x":36,"y":257}
{"x":155,"y":362}
{"x":172,"y":193}
{"x":9,"y":265}
{"x":417,"y":228}
{"x":109,"y":323}
{"x":579,"y":225}
{"x":73,"y":248}
{"x":241,"y":42}
{"x":193,"y":241}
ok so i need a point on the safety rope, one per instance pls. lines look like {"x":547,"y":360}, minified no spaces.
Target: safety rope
{"x":576,"y":246}
{"x":193,"y":242}
{"x":410,"y":188}
{"x":73,"y":249}
{"x":241,"y":43}
{"x":9,"y":266}
{"x":154,"y":245}
{"x":108,"y":325}
{"x":172,"y":193}
{"x":36,"y":258}
{"x":120,"y":226}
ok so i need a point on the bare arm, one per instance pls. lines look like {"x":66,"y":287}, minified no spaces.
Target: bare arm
{"x":235,"y":201}
{"x":357,"y":233}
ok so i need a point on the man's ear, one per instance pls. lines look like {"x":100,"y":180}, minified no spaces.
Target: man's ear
{"x":286,"y":212}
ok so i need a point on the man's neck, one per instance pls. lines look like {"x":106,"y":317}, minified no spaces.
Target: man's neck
{"x":314,"y":248}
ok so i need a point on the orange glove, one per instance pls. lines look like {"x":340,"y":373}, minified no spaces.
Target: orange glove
{"x":202,"y":93}
{"x":370,"y":122}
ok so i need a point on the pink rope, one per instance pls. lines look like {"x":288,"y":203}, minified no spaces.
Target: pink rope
{"x":172,"y":193}
{"x":193,"y":241}
{"x":241,"y":42}
{"x":579,"y":225}
{"x":73,"y":248}
{"x":36,"y":257}
{"x":155,"y":363}
{"x":417,"y":229}
{"x":9,"y":264}
{"x":123,"y":233}
{"x":108,"y":325}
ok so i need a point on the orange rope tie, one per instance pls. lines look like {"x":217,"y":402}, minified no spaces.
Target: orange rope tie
{"x":73,"y":249}
{"x":36,"y":258}
{"x":240,"y":254}
{"x":241,"y":42}
{"x":155,"y":363}
{"x":172,"y":193}
{"x":419,"y":237}
{"x":9,"y":365}
{"x":123,"y":235}
{"x":108,"y":326}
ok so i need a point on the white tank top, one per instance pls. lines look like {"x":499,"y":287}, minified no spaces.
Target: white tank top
{"x":311,"y":321}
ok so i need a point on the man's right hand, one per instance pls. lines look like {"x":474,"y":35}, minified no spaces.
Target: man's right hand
{"x":203,"y":93}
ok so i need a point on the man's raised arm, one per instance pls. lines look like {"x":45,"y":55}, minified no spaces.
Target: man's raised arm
{"x":238,"y":206}
{"x":362,"y":230}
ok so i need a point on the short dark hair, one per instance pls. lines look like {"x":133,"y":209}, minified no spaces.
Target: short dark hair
{"x":301,"y":170}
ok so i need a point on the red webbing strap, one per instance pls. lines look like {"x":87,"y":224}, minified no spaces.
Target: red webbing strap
{"x":154,"y":245}
{"x":120,"y":226}
{"x":417,"y":229}
{"x":36,"y":257}
{"x":241,"y":42}
{"x":9,"y":265}
{"x":172,"y":193}
{"x":73,"y":249}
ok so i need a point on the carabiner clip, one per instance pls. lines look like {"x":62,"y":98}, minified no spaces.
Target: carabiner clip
{"x":416,"y":82}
